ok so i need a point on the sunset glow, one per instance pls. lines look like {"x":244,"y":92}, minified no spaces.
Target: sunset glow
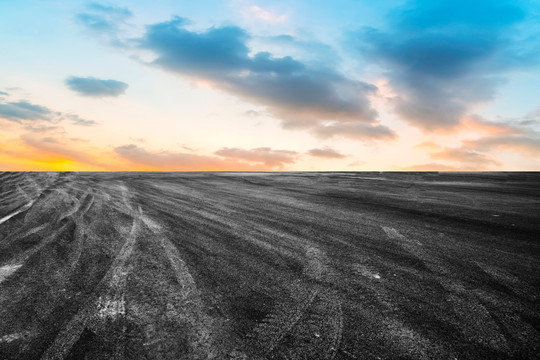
{"x":246,"y":85}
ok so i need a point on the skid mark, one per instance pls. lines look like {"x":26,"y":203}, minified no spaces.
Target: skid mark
{"x":415,"y":248}
{"x":310,"y":322}
{"x":13,"y":337}
{"x":87,"y":202}
{"x":21,"y":258}
{"x":509,"y":315}
{"x":395,"y":235}
{"x":312,"y":330}
{"x":509,"y":280}
{"x":33,"y":230}
{"x":111,"y":308}
{"x":192,"y":305}
{"x":23,"y":208}
{"x":73,"y":209}
{"x":473,"y":319}
{"x":98,"y":308}
{"x":407,"y":340}
{"x":366,"y":271}
{"x":318,"y":265}
{"x":281,"y":320}
{"x":8,"y":270}
{"x":476,"y":322}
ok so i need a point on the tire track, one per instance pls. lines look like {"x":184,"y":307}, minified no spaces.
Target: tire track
{"x":311,"y":322}
{"x":8,"y":270}
{"x":416,"y":248}
{"x":201,"y":325}
{"x":107,"y":302}
{"x":21,"y":209}
{"x":86,"y":203}
{"x":465,"y":306}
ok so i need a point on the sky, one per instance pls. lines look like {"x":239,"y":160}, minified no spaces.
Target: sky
{"x":247,"y":85}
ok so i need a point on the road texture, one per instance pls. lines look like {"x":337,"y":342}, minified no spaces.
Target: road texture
{"x":269,"y":265}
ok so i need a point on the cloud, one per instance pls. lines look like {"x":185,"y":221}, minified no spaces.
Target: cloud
{"x":263,"y":155}
{"x":94,"y":87}
{"x":515,"y":134}
{"x":443,"y":57}
{"x":253,"y":113}
{"x":427,"y":145}
{"x":365,"y":132}
{"x":36,"y":116}
{"x":3,"y":93}
{"x":433,"y":167}
{"x":53,"y":146}
{"x":300,"y":94}
{"x":175,"y":161}
{"x":464,"y":156}
{"x":41,"y":128}
{"x":326,"y":152}
{"x":77,"y":120}
{"x":478,"y":123}
{"x":520,"y":143}
{"x":23,"y":110}
{"x":103,"y":20}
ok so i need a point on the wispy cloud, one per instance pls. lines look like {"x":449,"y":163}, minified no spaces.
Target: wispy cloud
{"x":178,"y":161}
{"x":94,"y":87}
{"x":264,"y":155}
{"x":23,"y":110}
{"x":466,"y":157}
{"x":105,"y":21}
{"x":36,"y":116}
{"x":524,"y":144}
{"x":356,"y":131}
{"x":326,"y":152}
{"x":434,"y":167}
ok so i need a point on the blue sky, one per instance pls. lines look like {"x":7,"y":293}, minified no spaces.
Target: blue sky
{"x":270,"y":85}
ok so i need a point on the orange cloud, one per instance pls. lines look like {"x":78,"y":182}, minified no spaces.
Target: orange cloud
{"x":427,"y":145}
{"x":469,"y":158}
{"x":477,"y":123}
{"x":176,"y":161}
{"x":434,"y":167}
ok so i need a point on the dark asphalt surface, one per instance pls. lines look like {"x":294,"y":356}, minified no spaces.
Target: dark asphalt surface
{"x":269,"y":266}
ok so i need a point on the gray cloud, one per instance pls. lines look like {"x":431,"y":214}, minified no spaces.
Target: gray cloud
{"x":290,"y":89}
{"x":253,"y":113}
{"x":34,"y":116}
{"x":94,"y":87}
{"x":356,"y":131}
{"x":301,"y":95}
{"x":263,"y":155}
{"x":326,"y":152}
{"x":23,"y":110}
{"x":442,"y":57}
{"x":77,"y":120}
